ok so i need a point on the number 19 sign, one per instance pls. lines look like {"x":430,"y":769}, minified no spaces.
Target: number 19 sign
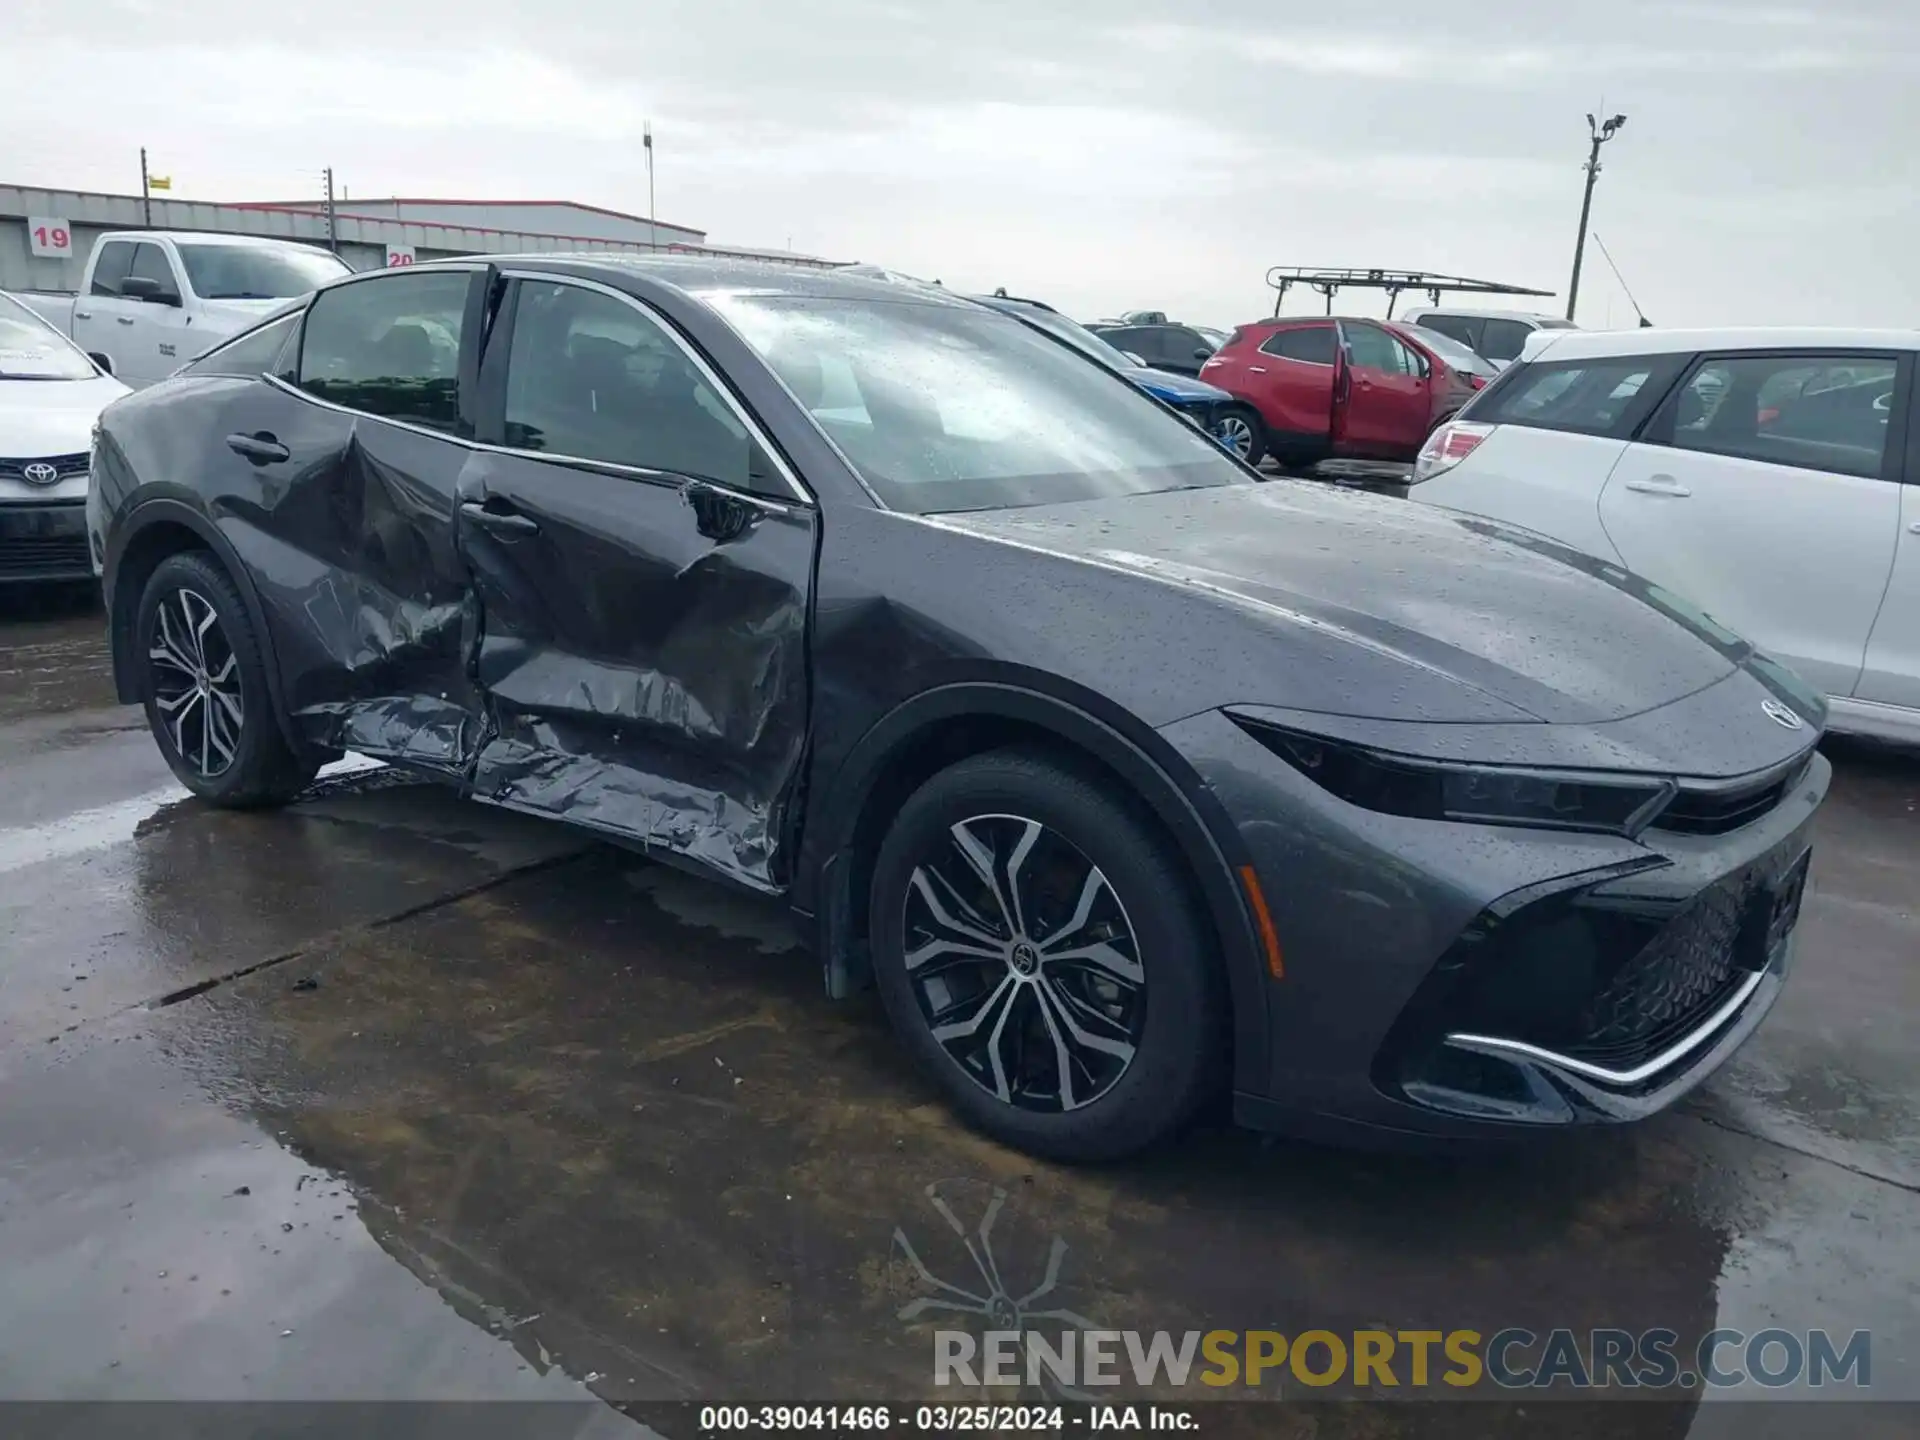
{"x":51,"y":238}
{"x":399,"y":255}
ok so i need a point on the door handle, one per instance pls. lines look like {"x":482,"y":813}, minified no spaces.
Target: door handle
{"x":1257,"y":369}
{"x":263,"y":448}
{"x":1660,"y":485}
{"x":124,"y":319}
{"x":83,"y":314}
{"x":501,"y":522}
{"x":1915,"y":527}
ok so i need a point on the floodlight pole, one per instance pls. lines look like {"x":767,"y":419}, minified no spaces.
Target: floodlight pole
{"x":1601,"y":133}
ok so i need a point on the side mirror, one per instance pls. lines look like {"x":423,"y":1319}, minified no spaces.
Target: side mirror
{"x":142,"y":287}
{"x":1140,"y":360}
{"x":1203,"y":353}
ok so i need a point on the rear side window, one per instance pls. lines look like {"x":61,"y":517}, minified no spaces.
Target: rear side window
{"x":1587,"y":397}
{"x":111,"y":266}
{"x":1503,"y":339}
{"x":251,"y":355}
{"x":389,"y":346}
{"x":1827,"y":412}
{"x":1310,"y":343}
{"x":594,"y":378}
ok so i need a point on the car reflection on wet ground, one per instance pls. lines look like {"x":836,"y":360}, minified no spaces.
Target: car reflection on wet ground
{"x":390,"y":1096}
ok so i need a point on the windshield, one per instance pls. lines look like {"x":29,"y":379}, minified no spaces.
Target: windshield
{"x":1072,"y":332}
{"x":948,"y":407}
{"x":31,"y":349}
{"x":1451,"y":350}
{"x":257,"y":272}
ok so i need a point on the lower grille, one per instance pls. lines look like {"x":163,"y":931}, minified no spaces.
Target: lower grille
{"x":28,"y":556}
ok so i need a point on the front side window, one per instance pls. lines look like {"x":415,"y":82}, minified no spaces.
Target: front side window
{"x":150,"y":263}
{"x":257,"y":272}
{"x":1371,"y":348}
{"x":1813,"y":412}
{"x":593,"y":377}
{"x":389,"y":346}
{"x":945,"y":407}
{"x":1588,"y":397}
{"x":1459,"y":327}
{"x":1312,"y":344}
{"x":30,"y":349}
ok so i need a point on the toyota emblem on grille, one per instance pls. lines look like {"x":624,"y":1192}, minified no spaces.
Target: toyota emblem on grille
{"x":1780,"y":714}
{"x":39,"y":473}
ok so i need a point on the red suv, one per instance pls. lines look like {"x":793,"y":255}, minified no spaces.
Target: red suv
{"x":1312,"y":388}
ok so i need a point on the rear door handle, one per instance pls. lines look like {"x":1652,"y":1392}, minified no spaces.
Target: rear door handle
{"x":501,"y":522}
{"x":1660,"y":485}
{"x":83,"y":314}
{"x":124,"y":319}
{"x":262,"y":447}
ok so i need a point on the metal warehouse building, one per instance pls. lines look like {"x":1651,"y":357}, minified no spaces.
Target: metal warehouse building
{"x":46,"y":235}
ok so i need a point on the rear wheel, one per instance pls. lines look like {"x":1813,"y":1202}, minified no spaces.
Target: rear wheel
{"x":205,"y":689}
{"x":1038,"y":950}
{"x":1239,"y":429}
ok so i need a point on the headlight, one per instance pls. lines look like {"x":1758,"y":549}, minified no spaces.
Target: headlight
{"x":1480,"y":795}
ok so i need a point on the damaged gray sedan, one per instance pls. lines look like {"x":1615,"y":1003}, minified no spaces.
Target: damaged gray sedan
{"x":1130,"y":782}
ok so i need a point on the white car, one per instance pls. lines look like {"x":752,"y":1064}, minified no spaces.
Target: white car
{"x":50,"y":396}
{"x":1769,"y":477}
{"x":1496,"y":335}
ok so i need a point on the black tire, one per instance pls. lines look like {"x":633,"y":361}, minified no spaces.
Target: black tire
{"x":259,"y":770}
{"x":1178,"y":1033}
{"x":1256,"y":431}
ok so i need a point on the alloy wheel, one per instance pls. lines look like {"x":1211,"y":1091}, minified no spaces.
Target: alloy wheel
{"x":1236,"y":434}
{"x":1023,"y":963}
{"x":196,"y":683}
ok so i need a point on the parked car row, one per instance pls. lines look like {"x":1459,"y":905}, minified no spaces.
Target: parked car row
{"x":1128,"y":779}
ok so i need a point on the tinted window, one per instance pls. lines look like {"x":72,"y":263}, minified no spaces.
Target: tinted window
{"x":1311,"y":343}
{"x":111,"y":265}
{"x":1374,"y":349}
{"x":389,"y":346}
{"x":1187,"y":346}
{"x":1456,"y":327}
{"x":251,"y":354}
{"x":257,"y":272}
{"x":1590,"y":397}
{"x":150,"y":263}
{"x":1817,"y":413}
{"x":947,"y":407}
{"x":1503,"y":339}
{"x":595,"y":377}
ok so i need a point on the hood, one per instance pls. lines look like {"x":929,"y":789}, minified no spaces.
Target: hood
{"x":1393,"y":602}
{"x":52,"y":417}
{"x":1172,"y":387}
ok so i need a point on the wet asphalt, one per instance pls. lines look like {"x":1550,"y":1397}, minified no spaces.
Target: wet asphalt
{"x":389,"y":1096}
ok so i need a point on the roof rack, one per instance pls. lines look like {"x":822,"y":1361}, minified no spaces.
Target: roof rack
{"x":1394,"y":282}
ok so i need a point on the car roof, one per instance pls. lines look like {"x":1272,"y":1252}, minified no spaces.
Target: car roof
{"x":207,"y":237}
{"x":701,"y":274}
{"x":1536,"y":317}
{"x":1584,"y":344}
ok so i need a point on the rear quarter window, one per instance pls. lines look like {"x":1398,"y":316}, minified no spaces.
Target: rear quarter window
{"x":1609,"y":396}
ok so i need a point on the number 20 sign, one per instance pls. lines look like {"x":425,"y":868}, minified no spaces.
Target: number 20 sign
{"x":399,"y":255}
{"x":51,"y":238}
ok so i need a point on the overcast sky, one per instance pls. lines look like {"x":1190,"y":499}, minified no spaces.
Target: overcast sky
{"x":1100,"y":154}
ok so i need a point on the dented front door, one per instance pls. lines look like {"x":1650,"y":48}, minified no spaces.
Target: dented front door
{"x":642,"y":631}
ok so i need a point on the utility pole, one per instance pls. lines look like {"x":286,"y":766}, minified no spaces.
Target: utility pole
{"x":653,"y":233}
{"x":146,"y":197}
{"x":333,"y":227}
{"x":1601,"y":133}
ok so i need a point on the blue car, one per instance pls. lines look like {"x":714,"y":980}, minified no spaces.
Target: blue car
{"x":1208,"y":405}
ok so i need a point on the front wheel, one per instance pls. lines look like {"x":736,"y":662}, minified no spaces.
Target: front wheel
{"x":1039,"y":952}
{"x":1238,"y":428}
{"x":205,"y":689}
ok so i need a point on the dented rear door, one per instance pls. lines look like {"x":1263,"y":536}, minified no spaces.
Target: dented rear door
{"x":642,"y":568}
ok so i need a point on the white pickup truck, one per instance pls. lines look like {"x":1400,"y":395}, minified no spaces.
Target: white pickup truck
{"x":152,"y":300}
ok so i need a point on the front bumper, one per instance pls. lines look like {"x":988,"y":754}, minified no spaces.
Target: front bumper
{"x":44,"y":540}
{"x":1444,"y":980}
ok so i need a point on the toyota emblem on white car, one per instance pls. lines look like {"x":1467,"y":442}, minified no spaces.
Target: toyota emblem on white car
{"x":1780,"y":714}
{"x":39,"y":473}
